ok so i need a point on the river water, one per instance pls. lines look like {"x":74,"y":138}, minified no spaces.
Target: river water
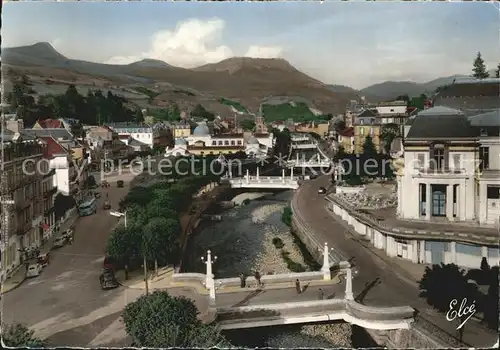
{"x":242,"y":242}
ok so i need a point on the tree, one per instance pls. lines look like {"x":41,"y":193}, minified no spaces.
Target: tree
{"x":62,"y":204}
{"x":247,"y":125}
{"x":19,"y":336}
{"x":490,"y":304}
{"x":282,"y":143}
{"x":200,"y":112}
{"x":159,"y":241}
{"x":160,"y":320}
{"x":451,"y":276}
{"x":497,"y":72}
{"x":369,"y":148}
{"x":388,"y":133}
{"x":479,"y":68}
{"x":124,"y":244}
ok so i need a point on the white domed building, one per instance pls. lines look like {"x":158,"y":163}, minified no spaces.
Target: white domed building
{"x":202,"y":142}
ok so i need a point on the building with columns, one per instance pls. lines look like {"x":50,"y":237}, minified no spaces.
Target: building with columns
{"x":451,"y":168}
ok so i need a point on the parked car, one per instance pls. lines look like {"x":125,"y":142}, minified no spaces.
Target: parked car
{"x":119,"y":183}
{"x":322,"y":190}
{"x":106,"y":205}
{"x":104,"y":184}
{"x":59,"y":242}
{"x":34,"y":270}
{"x":107,"y":280}
{"x":44,"y":259}
{"x":313,"y":176}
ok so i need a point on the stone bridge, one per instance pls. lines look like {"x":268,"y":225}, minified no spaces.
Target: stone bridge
{"x":258,"y":181}
{"x":324,"y":296}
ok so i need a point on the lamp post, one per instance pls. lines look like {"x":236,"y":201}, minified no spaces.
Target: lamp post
{"x":326,"y":263}
{"x":209,"y":280}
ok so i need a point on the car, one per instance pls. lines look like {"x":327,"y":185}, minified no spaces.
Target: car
{"x":34,"y":270}
{"x":106,"y":205}
{"x":119,"y":183}
{"x":59,"y":242}
{"x":44,"y":259}
{"x":108,"y":280}
{"x":322,"y":190}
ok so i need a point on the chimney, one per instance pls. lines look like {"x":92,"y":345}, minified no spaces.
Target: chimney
{"x":14,"y":125}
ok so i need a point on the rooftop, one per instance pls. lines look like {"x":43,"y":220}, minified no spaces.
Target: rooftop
{"x":486,"y":119}
{"x":440,"y":123}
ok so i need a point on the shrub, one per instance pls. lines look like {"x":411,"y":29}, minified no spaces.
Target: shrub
{"x":278,"y":243}
{"x":292,"y":265}
{"x":286,"y":216}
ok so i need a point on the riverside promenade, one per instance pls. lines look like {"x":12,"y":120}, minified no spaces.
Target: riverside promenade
{"x":381,"y":280}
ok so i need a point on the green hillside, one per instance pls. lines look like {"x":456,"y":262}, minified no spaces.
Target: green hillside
{"x":299,"y":112}
{"x":235,"y":104}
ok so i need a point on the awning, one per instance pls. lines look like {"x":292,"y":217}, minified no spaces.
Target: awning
{"x":44,"y":226}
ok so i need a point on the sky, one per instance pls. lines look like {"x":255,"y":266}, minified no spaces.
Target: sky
{"x":348,"y":43}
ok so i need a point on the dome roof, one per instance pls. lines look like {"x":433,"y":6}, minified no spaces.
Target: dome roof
{"x":180,"y":142}
{"x":252,"y":140}
{"x":201,"y":130}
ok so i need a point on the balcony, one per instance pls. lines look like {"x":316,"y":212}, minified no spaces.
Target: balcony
{"x":50,"y":192}
{"x":49,"y":211}
{"x":23,"y":204}
{"x":440,"y":171}
{"x":23,"y":228}
{"x":52,"y":172}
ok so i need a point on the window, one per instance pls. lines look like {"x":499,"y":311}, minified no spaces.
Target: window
{"x":420,"y":160}
{"x":362,"y":131}
{"x":437,"y":158}
{"x":371,"y":131}
{"x":456,"y":161}
{"x":214,"y":143}
{"x":484,"y":157}
{"x":240,"y":142}
{"x":232,"y":142}
{"x":392,"y":109}
{"x":226,"y":143}
{"x":220,"y":143}
{"x":361,"y":122}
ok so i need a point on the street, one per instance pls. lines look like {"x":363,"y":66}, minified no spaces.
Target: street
{"x":65,"y":304}
{"x":376,"y":283}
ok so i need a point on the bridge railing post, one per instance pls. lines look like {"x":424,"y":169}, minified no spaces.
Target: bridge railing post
{"x":209,"y":279}
{"x":326,"y":263}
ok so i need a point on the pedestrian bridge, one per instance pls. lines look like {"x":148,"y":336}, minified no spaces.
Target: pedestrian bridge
{"x":370,"y":317}
{"x":273,"y":300}
{"x":258,"y":181}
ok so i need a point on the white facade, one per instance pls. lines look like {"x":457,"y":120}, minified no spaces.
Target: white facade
{"x":420,"y":188}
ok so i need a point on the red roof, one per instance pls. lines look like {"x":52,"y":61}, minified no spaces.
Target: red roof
{"x":51,"y":123}
{"x":348,"y":132}
{"x":53,"y":147}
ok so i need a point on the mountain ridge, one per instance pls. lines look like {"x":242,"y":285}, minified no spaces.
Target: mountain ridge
{"x":246,"y":80}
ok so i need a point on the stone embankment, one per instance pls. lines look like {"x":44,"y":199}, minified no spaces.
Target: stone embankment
{"x":243,"y":243}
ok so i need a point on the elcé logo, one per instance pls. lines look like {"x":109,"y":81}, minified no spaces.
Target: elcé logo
{"x":464,"y":312}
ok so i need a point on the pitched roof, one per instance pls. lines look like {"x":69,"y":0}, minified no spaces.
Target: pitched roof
{"x":53,"y":147}
{"x":368,"y":113}
{"x":55,"y":133}
{"x":50,"y":123}
{"x":486,"y":119}
{"x":348,"y":132}
{"x":441,"y":123}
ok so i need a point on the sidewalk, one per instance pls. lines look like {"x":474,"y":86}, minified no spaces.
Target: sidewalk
{"x":18,"y":277}
{"x":164,"y":281}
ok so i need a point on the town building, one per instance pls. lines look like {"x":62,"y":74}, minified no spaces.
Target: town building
{"x":22,"y":195}
{"x":182,"y":129}
{"x":68,"y":157}
{"x":452,"y":176}
{"x":105,"y":144}
{"x":202,"y":142}
{"x":151,"y":135}
{"x":346,"y":139}
{"x":320,"y":128}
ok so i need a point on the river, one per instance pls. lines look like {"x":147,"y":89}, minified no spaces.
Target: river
{"x":242,"y":242}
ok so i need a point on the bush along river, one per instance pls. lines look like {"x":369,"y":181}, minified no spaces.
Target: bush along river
{"x":252,"y":237}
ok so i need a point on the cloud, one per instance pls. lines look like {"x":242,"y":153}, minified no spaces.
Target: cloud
{"x":255,"y":51}
{"x":193,"y":43}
